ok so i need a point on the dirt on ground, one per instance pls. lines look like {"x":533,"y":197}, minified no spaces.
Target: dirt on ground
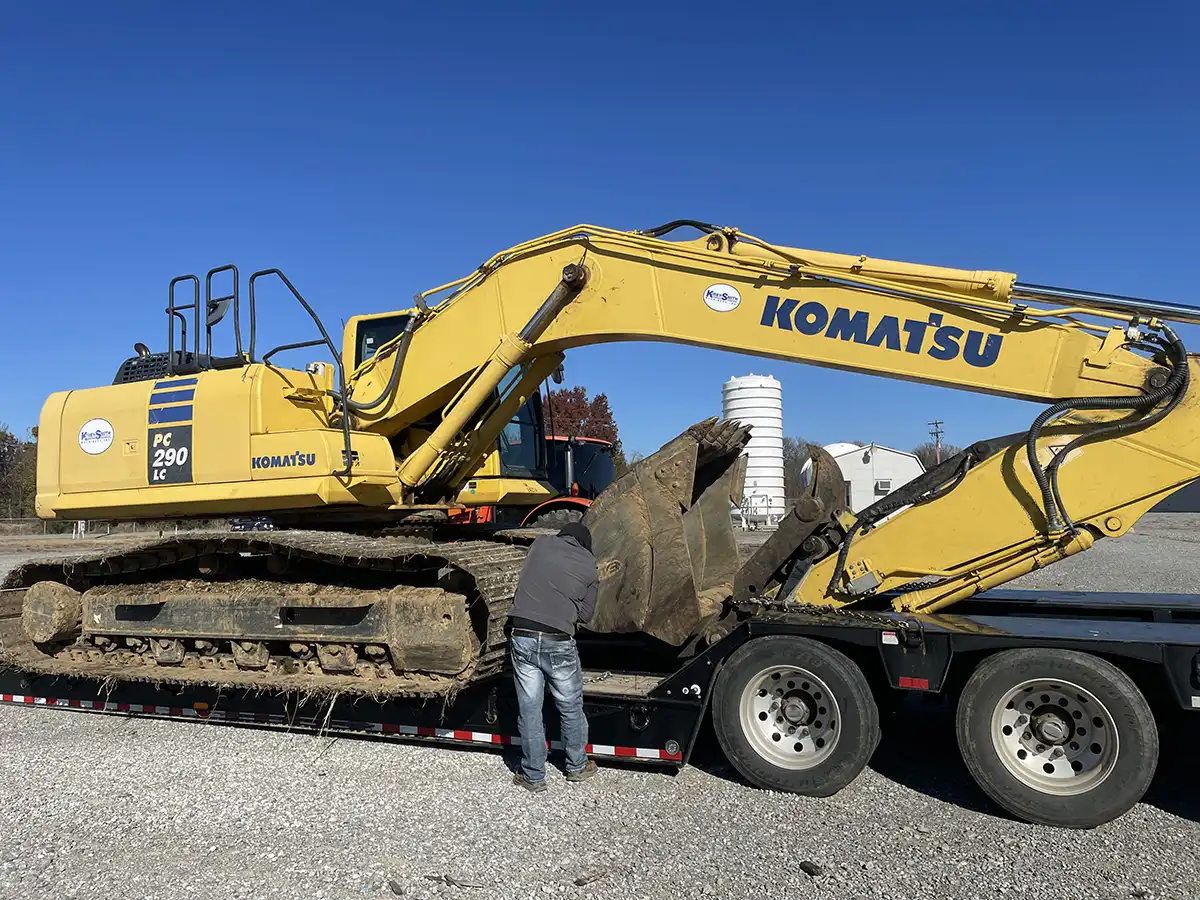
{"x":61,"y":543}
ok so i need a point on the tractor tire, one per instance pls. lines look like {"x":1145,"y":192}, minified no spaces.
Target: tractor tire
{"x":556,"y":518}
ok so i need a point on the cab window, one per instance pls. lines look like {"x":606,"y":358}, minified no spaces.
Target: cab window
{"x":372,"y":334}
{"x":522,"y":451}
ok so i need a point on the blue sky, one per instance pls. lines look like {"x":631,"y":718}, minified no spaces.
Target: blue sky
{"x":373,"y":150}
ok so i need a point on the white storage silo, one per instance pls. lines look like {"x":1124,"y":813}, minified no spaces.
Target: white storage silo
{"x":757,"y":401}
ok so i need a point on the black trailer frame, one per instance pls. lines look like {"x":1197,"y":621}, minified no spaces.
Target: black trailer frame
{"x":655,"y":719}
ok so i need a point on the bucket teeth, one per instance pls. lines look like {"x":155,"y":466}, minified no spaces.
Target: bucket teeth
{"x":663,"y":534}
{"x":719,"y":437}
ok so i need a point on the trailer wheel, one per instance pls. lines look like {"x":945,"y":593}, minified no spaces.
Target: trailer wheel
{"x":1057,"y":737}
{"x":792,"y":714}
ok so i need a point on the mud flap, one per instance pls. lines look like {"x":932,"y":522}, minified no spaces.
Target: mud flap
{"x":663,"y":534}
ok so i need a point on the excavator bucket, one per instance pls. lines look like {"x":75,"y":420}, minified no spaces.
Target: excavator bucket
{"x":663,"y":534}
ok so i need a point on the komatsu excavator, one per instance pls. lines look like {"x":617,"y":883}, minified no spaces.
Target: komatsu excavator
{"x":363,"y":587}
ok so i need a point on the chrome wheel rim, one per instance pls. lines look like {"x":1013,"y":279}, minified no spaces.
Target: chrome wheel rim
{"x":1055,"y":736}
{"x":790,"y":717}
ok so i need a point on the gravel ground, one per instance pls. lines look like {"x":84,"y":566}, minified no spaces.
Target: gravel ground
{"x":107,"y":807}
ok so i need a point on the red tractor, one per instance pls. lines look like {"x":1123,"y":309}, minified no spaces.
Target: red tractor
{"x":579,"y":468}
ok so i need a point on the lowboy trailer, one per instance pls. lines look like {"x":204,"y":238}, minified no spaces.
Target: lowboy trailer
{"x":1053,"y":690}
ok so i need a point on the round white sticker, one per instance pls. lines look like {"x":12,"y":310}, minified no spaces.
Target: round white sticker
{"x":722,"y":297}
{"x":95,"y":436}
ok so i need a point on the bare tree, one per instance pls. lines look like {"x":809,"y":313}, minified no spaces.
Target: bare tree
{"x":18,"y":460}
{"x":927,"y":453}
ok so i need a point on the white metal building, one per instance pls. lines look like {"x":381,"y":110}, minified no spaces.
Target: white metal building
{"x":871,"y":472}
{"x":757,"y":401}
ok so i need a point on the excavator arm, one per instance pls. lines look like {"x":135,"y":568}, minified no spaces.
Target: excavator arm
{"x":1120,"y":434}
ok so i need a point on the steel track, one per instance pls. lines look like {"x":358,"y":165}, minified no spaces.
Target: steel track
{"x":493,"y":567}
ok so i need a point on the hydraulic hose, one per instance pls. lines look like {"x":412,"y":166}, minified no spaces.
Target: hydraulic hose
{"x":661,"y":230}
{"x":934,"y":484}
{"x":1175,"y":386}
{"x":930,"y":486}
{"x":1172,"y":390}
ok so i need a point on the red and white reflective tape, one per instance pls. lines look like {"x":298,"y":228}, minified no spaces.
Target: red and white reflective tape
{"x":419,"y":731}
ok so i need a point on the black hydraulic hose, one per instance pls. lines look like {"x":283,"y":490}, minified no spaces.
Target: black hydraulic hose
{"x":1176,"y":386}
{"x":1171,"y":390}
{"x":919,"y":491}
{"x":843,"y":554}
{"x":680,"y":223}
{"x":945,"y":489}
{"x":394,"y":378}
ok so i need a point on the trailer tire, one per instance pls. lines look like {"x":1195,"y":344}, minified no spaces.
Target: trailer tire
{"x":1098,"y":738}
{"x":820,"y":732}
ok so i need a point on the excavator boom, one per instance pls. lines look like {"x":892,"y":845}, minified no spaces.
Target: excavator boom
{"x":1111,"y":368}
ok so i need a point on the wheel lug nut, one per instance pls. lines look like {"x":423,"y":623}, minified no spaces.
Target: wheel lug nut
{"x":1021,"y":720}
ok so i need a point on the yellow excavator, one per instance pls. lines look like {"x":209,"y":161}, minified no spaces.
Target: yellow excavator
{"x":365,"y":586}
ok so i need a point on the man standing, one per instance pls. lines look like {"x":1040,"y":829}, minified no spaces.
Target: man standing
{"x":557,"y":591}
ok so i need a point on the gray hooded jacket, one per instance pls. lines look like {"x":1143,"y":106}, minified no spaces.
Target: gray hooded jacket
{"x":558,"y":584}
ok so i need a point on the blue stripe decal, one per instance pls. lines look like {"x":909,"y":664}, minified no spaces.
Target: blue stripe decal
{"x":172,"y":397}
{"x":171,"y":414}
{"x":178,"y":382}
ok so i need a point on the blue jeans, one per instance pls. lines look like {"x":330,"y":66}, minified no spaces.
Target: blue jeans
{"x":537,"y":663}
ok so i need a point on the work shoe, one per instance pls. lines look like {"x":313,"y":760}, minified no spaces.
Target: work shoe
{"x":534,"y":787}
{"x":588,"y":770}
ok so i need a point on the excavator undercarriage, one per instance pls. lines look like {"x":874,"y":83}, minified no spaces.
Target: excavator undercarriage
{"x":420,"y":614}
{"x":286,"y":610}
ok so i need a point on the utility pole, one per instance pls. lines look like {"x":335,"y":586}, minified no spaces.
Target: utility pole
{"x":936,"y":432}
